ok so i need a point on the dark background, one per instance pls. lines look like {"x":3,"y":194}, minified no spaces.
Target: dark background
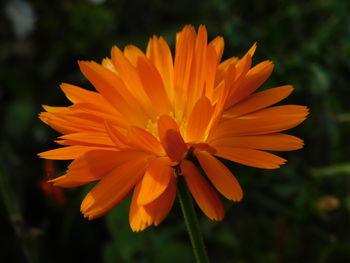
{"x":299,"y":213}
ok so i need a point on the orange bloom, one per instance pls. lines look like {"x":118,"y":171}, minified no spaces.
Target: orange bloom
{"x":152,"y":115}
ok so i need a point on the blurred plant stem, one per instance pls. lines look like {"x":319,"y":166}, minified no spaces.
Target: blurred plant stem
{"x":25,"y":235}
{"x":192,"y":223}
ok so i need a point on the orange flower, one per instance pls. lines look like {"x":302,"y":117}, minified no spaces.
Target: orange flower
{"x":152,"y":115}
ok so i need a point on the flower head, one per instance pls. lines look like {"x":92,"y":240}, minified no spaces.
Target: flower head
{"x":151,"y":115}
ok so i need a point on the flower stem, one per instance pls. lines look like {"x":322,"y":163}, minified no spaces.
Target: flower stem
{"x":192,"y":223}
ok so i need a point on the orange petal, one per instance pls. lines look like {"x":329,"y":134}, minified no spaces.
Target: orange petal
{"x":202,"y":192}
{"x":241,"y":69}
{"x":119,"y":139}
{"x":221,"y":177}
{"x":252,"y":81}
{"x":198,"y":121}
{"x":69,"y":120}
{"x":57,"y":110}
{"x":218,"y":43}
{"x":162,"y":205}
{"x":222,"y":97}
{"x":203,"y":147}
{"x":171,"y":138}
{"x":113,"y":188}
{"x":141,"y":139}
{"x":243,"y":66}
{"x":269,"y":120}
{"x":107,"y":63}
{"x":153,"y":85}
{"x":76,"y":94}
{"x":268,"y":142}
{"x":159,"y":53}
{"x":222,"y":68}
{"x":184,"y":53}
{"x":56,"y":123}
{"x":155,"y":180}
{"x":211,"y":65}
{"x":165,"y":123}
{"x":250,"y":157}
{"x":102,"y":161}
{"x":198,"y":69}
{"x":142,"y":216}
{"x":98,"y":114}
{"x":132,"y":53}
{"x":113,"y":89}
{"x":70,"y":181}
{"x":175,"y":145}
{"x":67,"y":153}
{"x":92,"y":166}
{"x":139,"y":218}
{"x":259,"y":101}
{"x":252,"y":49}
{"x":126,"y":70}
{"x":72,"y":142}
{"x":87,"y":138}
{"x":128,"y":73}
{"x":81,"y":121}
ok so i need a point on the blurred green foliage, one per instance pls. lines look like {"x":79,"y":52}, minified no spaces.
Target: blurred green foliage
{"x":299,"y":213}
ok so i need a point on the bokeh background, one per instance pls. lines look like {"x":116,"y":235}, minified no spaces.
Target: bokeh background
{"x":299,"y":213}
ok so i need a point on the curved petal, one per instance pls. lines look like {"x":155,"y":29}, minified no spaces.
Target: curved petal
{"x":202,"y":192}
{"x":159,"y":53}
{"x":68,"y":181}
{"x":222,"y":96}
{"x":218,"y":44}
{"x":155,"y":180}
{"x":107,"y":63}
{"x":119,"y":138}
{"x":72,"y":121}
{"x":79,"y":95}
{"x":128,"y":73}
{"x":197,"y":125}
{"x":269,"y":120}
{"x":250,"y":157}
{"x":221,"y":177}
{"x":184,"y":52}
{"x":198,"y":69}
{"x":153,"y":86}
{"x":56,"y":123}
{"x":171,"y":138}
{"x":162,"y":205}
{"x":113,"y":188}
{"x":259,"y":101}
{"x":222,"y":69}
{"x":141,"y":139}
{"x":175,"y":145}
{"x":252,"y":81}
{"x":92,"y":166}
{"x":96,"y":112}
{"x":132,"y":53}
{"x":139,"y":218}
{"x":211,"y":65}
{"x":142,"y":216}
{"x":113,"y":89}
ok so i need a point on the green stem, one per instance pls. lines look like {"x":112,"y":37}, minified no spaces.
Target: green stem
{"x":192,"y":223}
